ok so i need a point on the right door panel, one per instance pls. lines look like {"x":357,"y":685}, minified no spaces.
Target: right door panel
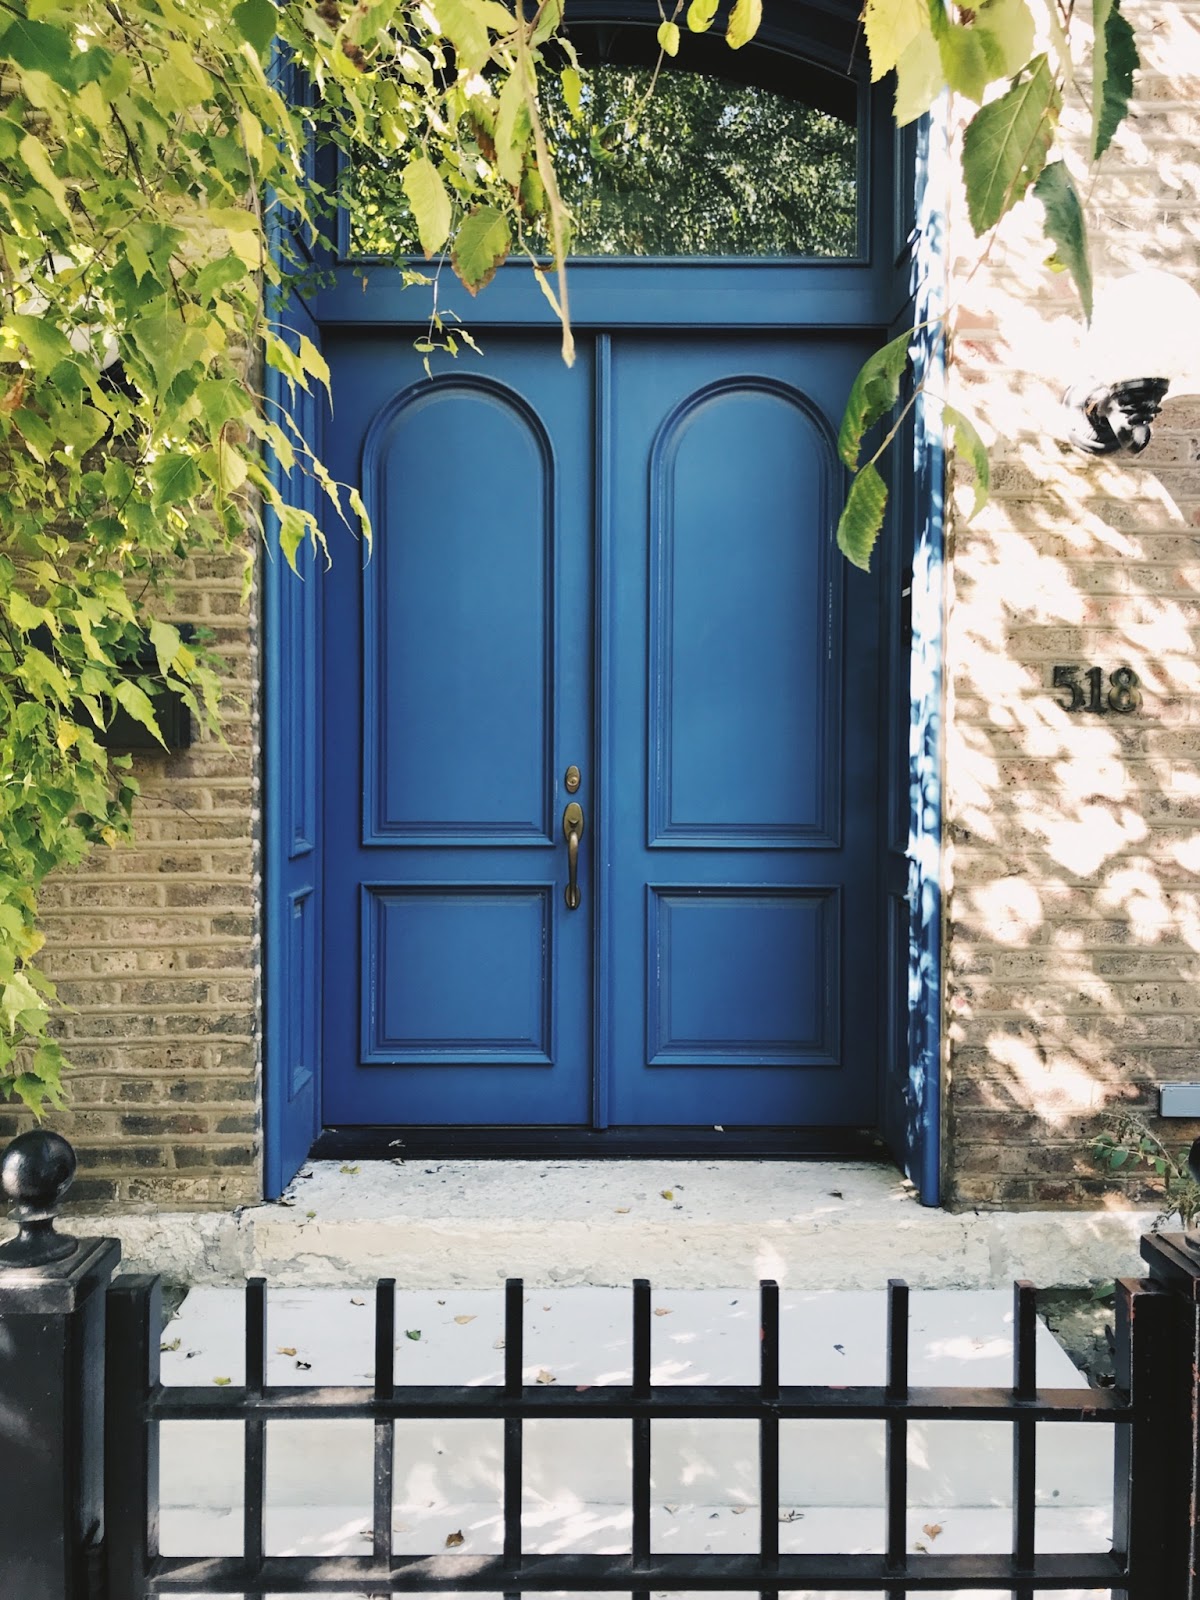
{"x":741,"y":867}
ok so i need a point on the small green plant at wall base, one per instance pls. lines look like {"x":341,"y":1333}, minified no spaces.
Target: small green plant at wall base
{"x":1128,"y":1143}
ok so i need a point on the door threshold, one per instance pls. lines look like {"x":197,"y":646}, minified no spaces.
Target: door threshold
{"x":518,"y":1144}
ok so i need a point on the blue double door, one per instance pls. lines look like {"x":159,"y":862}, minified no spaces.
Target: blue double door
{"x":614,"y":589}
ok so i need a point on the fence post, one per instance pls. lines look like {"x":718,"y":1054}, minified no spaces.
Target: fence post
{"x":1174,"y":1266}
{"x":52,"y":1305}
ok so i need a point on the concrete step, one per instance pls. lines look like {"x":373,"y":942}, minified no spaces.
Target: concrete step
{"x":579,"y":1336}
{"x":684,"y":1224}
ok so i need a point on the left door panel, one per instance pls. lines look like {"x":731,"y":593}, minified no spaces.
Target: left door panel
{"x":457,"y":674}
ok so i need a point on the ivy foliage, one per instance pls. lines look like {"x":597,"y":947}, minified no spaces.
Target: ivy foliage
{"x":147,"y":154}
{"x":1013,"y":59}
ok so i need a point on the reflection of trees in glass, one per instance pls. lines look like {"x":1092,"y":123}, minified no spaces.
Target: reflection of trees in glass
{"x":706,"y":167}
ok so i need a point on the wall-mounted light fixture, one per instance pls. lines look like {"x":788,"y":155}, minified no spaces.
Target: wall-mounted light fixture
{"x":1144,"y":338}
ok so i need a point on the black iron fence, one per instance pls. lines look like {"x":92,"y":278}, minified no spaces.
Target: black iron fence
{"x":81,"y":1404}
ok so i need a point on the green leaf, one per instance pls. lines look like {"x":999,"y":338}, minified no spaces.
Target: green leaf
{"x":970,"y":60}
{"x":1118,"y":1159}
{"x":514,"y":128}
{"x":166,"y":642}
{"x":294,"y":525}
{"x":313,"y":361}
{"x":1065,"y":224}
{"x":971,"y":447}
{"x":700,"y":15}
{"x":668,"y":38}
{"x":20,"y":1003}
{"x":412,"y":1333}
{"x":1114,"y":61}
{"x":919,"y":78}
{"x":138,"y":705}
{"x":890,"y":27}
{"x":426,"y":194}
{"x":462,"y":23}
{"x":482,"y":244}
{"x":1005,"y":145}
{"x":38,"y":47}
{"x":257,"y":21}
{"x":572,"y":88}
{"x":175,"y":479}
{"x":551,"y":17}
{"x":744,"y":20}
{"x":36,"y":158}
{"x":876,"y":390}
{"x":862,"y":517}
{"x":25,"y":615}
{"x":1010,"y":24}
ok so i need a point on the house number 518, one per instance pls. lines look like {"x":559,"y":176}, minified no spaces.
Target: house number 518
{"x":1090,"y":695}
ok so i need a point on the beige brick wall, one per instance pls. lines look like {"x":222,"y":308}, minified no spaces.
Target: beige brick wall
{"x":1073,"y":842}
{"x":154,"y":946}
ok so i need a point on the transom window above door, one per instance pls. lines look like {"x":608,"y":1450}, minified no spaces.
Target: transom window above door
{"x":712,"y":155}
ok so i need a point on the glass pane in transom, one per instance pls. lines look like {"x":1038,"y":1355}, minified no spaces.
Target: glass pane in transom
{"x":663,"y":160}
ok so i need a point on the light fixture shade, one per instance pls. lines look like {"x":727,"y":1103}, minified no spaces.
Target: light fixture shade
{"x":1146,"y":325}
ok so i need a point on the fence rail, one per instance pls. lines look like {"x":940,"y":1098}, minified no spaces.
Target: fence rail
{"x":107,"y":1420}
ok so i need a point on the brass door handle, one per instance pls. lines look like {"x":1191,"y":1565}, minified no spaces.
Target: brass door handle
{"x":572,"y":833}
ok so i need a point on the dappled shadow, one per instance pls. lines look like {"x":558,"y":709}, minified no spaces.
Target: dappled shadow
{"x":1073,"y":943}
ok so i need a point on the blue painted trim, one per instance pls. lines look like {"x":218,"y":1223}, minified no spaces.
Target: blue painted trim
{"x":604,"y":693}
{"x":927,"y":682}
{"x":275,"y":851}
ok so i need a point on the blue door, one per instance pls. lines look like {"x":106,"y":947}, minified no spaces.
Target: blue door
{"x":626,"y":601}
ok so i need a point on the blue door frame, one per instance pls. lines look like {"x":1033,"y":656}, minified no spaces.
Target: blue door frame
{"x":898,"y":280}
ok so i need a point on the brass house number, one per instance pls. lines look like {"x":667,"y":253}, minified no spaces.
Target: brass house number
{"x":1085,"y":689}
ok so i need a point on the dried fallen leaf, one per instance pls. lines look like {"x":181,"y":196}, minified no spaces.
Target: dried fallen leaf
{"x":667,"y":1194}
{"x":453,"y":1540}
{"x":174,"y":1345}
{"x":412,"y":1333}
{"x":498,"y":1344}
{"x":662,"y":1311}
{"x":740,"y":1511}
{"x":932,"y":1529}
{"x":310,"y":1215}
{"x":791,"y":1516}
{"x":286,"y":1350}
{"x":671,"y":1509}
{"x":546,"y":1377}
{"x":623,"y":1211}
{"x":923,"y":1548}
{"x":349,"y":1170}
{"x":464,"y":1319}
{"x":222,"y":1383}
{"x":304,"y":1366}
{"x":355,"y":1301}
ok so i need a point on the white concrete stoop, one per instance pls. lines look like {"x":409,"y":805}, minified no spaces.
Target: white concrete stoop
{"x":684,"y":1224}
{"x":705,"y":1476}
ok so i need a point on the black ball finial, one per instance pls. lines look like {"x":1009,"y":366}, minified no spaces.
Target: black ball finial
{"x":35,"y":1173}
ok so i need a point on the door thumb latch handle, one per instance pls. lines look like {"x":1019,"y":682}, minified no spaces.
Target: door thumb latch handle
{"x":572,"y":833}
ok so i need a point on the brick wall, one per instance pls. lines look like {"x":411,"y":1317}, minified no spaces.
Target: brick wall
{"x":154,"y":946}
{"x":1073,"y":842}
